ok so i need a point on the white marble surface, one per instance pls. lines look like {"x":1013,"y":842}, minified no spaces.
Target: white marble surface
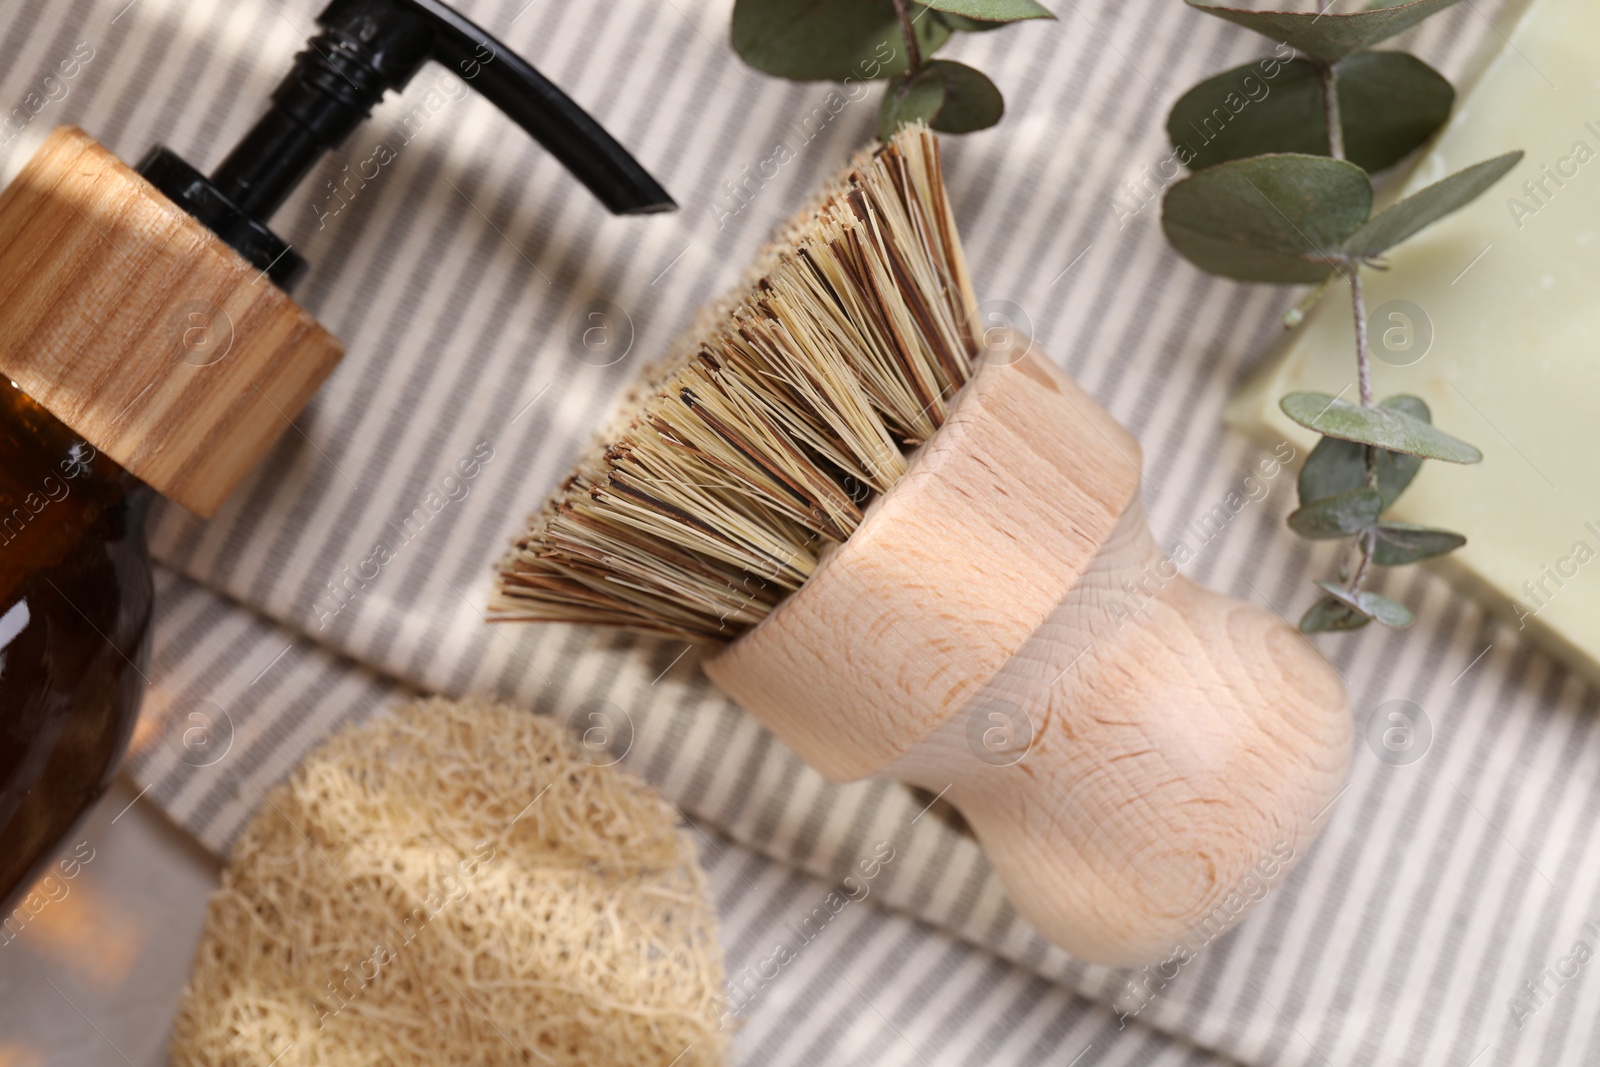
{"x":93,"y":978}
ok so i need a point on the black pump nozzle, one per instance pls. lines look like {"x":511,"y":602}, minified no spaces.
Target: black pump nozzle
{"x":366,"y":48}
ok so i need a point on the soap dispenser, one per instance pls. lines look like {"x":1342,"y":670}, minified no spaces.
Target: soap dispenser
{"x":149,"y":344}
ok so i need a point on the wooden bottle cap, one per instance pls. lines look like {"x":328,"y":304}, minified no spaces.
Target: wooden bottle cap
{"x":139,"y":328}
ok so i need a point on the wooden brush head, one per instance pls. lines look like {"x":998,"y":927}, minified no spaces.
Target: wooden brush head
{"x":917,"y":535}
{"x":1129,"y":760}
{"x":950,"y":573}
{"x":757,"y":449}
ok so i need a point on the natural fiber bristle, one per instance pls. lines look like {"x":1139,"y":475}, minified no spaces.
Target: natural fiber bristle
{"x":762,"y":443}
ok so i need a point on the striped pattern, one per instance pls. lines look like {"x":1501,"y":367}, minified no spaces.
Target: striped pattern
{"x":456,"y":276}
{"x":868,"y":986}
{"x":877,"y":989}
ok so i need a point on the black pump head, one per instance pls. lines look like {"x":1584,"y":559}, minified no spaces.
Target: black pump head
{"x":366,"y":48}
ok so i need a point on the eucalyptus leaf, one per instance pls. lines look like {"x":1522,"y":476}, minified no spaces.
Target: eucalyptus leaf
{"x":1414,"y":406}
{"x":1427,"y":206}
{"x":1386,"y":427}
{"x":1333,"y":614}
{"x":971,"y":101}
{"x":1389,"y":612}
{"x":1339,"y":515}
{"x":1324,"y":36}
{"x":908,"y":99}
{"x":1269,"y":218}
{"x":1333,"y":467}
{"x":993,"y":10}
{"x":1336,"y":466}
{"x":1389,"y":104}
{"x":1396,"y":544}
{"x":962,"y":24}
{"x":830,"y":40}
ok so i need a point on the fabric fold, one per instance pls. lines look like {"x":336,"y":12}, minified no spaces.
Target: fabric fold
{"x":462,"y":278}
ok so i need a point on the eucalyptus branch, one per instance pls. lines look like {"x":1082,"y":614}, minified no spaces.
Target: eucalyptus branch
{"x":1363,"y":353}
{"x":1330,"y":109}
{"x":1366,"y":542}
{"x":909,"y":32}
{"x":892,"y":40}
{"x":1271,"y":199}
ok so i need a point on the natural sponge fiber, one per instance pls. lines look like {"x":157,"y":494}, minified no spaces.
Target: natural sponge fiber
{"x":452,"y":884}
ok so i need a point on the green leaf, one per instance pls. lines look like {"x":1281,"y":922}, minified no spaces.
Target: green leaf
{"x":1368,"y":605}
{"x":1336,"y":466}
{"x":1427,"y":206}
{"x":829,"y":40}
{"x":1389,"y":612}
{"x":1327,"y":37}
{"x":1333,"y":467}
{"x":1414,"y":406}
{"x":962,"y":24}
{"x":971,"y":101}
{"x":1242,"y":113}
{"x":1384,"y":426}
{"x":1333,"y":614}
{"x":951,"y":97}
{"x":1339,"y":515}
{"x":1399,"y":543}
{"x":1389,"y":104}
{"x":993,"y":10}
{"x":907,"y":100}
{"x":1267,"y":219}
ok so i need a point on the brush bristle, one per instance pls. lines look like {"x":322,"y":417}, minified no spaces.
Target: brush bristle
{"x":762,"y":443}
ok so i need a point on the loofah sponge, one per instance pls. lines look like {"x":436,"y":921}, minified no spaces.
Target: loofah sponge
{"x":452,"y":884}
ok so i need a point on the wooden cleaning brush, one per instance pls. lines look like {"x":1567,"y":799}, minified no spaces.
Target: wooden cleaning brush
{"x":914,"y":544}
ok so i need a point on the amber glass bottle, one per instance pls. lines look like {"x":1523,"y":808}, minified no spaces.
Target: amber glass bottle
{"x":75,"y":602}
{"x":149,"y":311}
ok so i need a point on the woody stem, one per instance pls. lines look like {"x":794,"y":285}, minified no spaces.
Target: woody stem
{"x":909,"y":32}
{"x":1358,"y":306}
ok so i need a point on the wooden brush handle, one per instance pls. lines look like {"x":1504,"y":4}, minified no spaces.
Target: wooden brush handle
{"x":1138,"y":756}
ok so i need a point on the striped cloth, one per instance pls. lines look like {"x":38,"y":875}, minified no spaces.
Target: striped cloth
{"x":1436,"y":921}
{"x":867,"y":985}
